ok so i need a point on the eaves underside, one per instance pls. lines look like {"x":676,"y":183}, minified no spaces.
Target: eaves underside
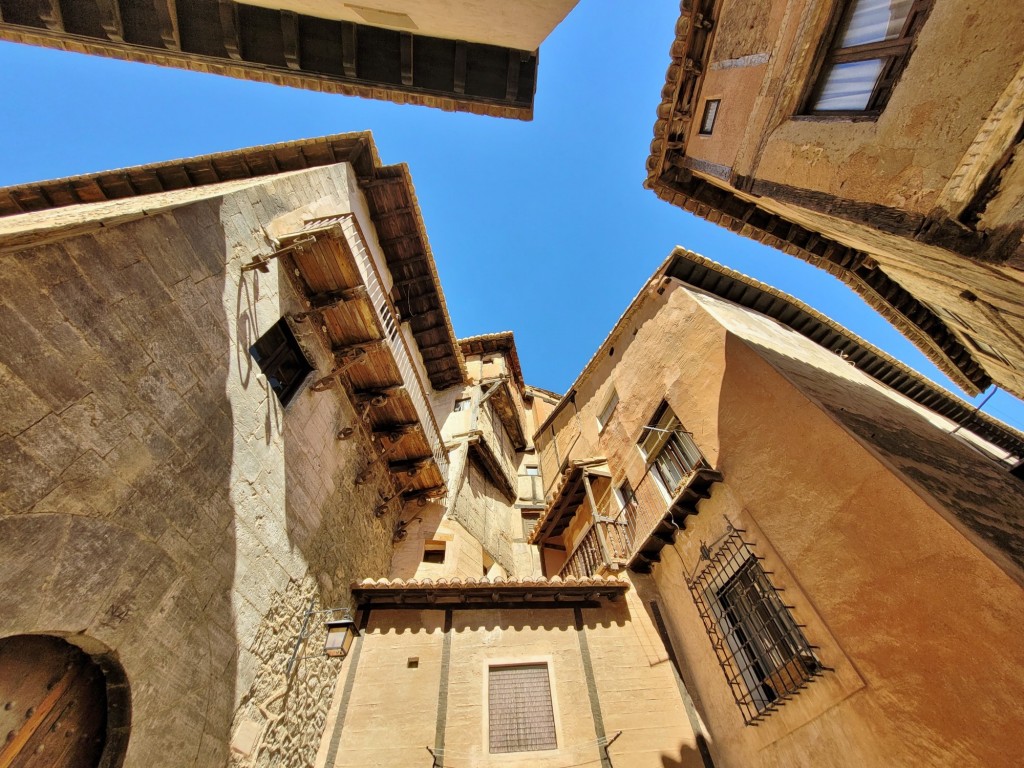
{"x":669,"y":176}
{"x":285,"y":48}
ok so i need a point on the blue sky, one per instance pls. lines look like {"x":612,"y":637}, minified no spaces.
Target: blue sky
{"x":555,"y":206}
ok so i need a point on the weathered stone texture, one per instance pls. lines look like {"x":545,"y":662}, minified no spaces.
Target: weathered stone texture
{"x":156,"y":499}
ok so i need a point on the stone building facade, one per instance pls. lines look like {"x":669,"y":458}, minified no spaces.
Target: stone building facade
{"x":162,"y":509}
{"x":477,"y":57}
{"x":236,"y":404}
{"x":878,"y":141}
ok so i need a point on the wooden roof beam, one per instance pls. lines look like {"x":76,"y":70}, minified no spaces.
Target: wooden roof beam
{"x":51,"y":15}
{"x":290,"y":41}
{"x":229,"y":29}
{"x":167,"y":20}
{"x":110,"y":19}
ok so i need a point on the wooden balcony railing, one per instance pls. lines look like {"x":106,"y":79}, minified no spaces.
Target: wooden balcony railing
{"x":396,"y":341}
{"x":603,"y":548}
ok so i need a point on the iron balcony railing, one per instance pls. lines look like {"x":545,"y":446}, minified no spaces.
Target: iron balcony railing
{"x":621,"y":529}
{"x":396,"y":340}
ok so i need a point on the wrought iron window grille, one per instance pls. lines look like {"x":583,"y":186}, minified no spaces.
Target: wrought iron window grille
{"x":761,"y":649}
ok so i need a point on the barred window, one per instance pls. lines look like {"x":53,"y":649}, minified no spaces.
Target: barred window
{"x":761,"y":649}
{"x":520,"y":712}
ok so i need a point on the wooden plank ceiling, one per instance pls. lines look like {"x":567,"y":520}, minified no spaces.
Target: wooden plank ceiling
{"x":285,"y":48}
{"x":330,"y":280}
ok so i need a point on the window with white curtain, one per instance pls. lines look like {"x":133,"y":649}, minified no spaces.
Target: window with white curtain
{"x":869,"y":51}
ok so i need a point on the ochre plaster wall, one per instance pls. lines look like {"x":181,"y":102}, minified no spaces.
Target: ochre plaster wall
{"x":157,"y":501}
{"x":866,"y":529}
{"x":393,"y":709}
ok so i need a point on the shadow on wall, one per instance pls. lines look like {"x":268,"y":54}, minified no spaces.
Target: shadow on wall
{"x":688,"y":756}
{"x":118,"y":528}
{"x":980,"y":493}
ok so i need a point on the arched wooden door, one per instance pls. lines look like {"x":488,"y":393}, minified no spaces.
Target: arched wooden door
{"x":53,"y":704}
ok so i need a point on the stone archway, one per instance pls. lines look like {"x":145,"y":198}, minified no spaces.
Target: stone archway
{"x":59,"y":707}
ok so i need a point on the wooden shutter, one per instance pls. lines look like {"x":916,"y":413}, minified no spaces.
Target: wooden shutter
{"x":521,"y":715}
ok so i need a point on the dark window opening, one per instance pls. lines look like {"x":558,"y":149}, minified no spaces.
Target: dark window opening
{"x":462,"y":404}
{"x":707,"y":123}
{"x":281,"y":360}
{"x":433,"y":552}
{"x":761,"y":649}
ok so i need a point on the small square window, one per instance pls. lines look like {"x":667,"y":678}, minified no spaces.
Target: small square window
{"x":520,"y":712}
{"x":529,"y":521}
{"x":707,"y":123}
{"x":281,"y":360}
{"x":462,"y":404}
{"x":606,"y":412}
{"x":433,"y":552}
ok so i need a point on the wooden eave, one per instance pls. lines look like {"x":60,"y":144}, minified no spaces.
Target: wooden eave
{"x":508,"y":413}
{"x":503,"y":343}
{"x":417,"y":289}
{"x":483,"y":594}
{"x":568,"y":498}
{"x":286,"y":48}
{"x":319,"y":262}
{"x":669,"y":176}
{"x":483,"y":453}
{"x":706,"y":275}
{"x":388,"y":189}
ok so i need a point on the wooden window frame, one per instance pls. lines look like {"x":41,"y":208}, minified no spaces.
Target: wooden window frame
{"x":895,"y":53}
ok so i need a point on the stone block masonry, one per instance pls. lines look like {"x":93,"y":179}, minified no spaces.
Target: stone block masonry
{"x":156,"y":501}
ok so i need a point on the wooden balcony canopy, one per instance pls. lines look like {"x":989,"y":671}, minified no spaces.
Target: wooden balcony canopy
{"x":389,"y":190}
{"x":569,"y":496}
{"x":348,"y":305}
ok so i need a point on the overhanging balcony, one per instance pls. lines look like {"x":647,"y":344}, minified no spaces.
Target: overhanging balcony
{"x":348,"y":306}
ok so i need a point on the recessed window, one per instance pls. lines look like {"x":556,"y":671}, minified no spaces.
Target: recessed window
{"x":670,"y":450}
{"x":433,"y":552}
{"x":609,"y":408}
{"x":707,"y":123}
{"x":280,"y":358}
{"x":532,"y":471}
{"x":521,"y":717}
{"x":764,"y":654}
{"x":462,"y":404}
{"x":868,"y":53}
